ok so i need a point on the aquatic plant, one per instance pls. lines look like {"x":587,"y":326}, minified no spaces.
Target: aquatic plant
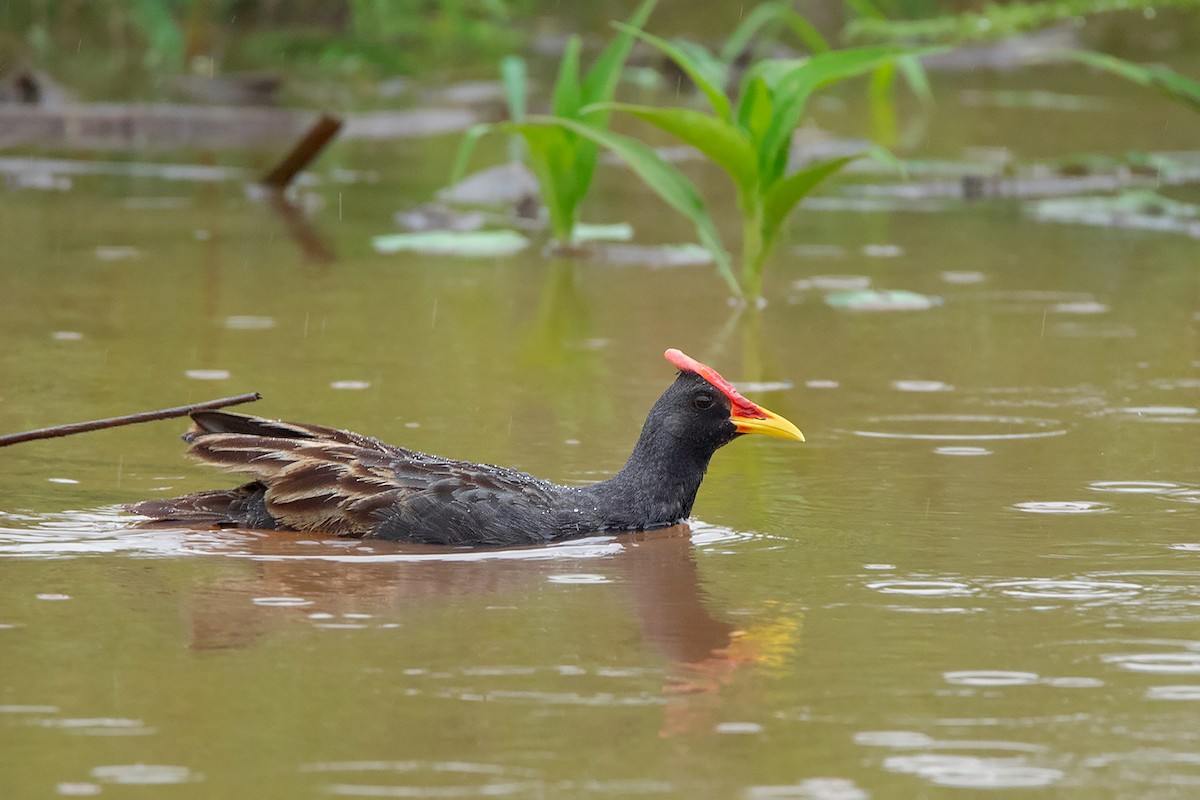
{"x":1164,"y":80}
{"x":563,"y":160}
{"x":993,"y":21}
{"x":1002,"y":21}
{"x":749,"y":138}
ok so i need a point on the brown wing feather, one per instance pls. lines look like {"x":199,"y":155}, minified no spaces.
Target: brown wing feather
{"x":338,"y":482}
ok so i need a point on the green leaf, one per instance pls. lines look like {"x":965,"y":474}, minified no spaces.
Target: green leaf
{"x":755,"y":108}
{"x":797,"y":85}
{"x":759,"y":17}
{"x":666,"y":181}
{"x":865,"y":9}
{"x":516,"y":92}
{"x":787,"y":193}
{"x":514,"y":78}
{"x":916,"y":77}
{"x":601,"y":80}
{"x":466,"y":147}
{"x":807,"y":33}
{"x":555,"y":160}
{"x":724,"y":144}
{"x":887,"y":158}
{"x":773,"y":13}
{"x":567,"y":98}
{"x":692,"y":68}
{"x":883,"y":105}
{"x":1162,"y":79}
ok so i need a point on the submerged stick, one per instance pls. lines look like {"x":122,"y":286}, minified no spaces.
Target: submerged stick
{"x":305,"y":151}
{"x":130,"y":419}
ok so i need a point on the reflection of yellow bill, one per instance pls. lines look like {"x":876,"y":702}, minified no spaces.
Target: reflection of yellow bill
{"x":771,"y":643}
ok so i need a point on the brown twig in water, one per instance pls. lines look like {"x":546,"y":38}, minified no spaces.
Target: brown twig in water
{"x":130,"y":419}
{"x":305,"y":151}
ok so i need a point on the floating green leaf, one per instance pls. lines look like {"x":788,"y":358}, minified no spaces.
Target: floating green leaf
{"x":882,"y":300}
{"x":472,"y":244}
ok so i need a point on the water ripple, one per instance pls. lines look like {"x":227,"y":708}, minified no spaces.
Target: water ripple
{"x":931,"y":588}
{"x":72,"y":534}
{"x":1159,"y":414}
{"x":145,"y":774}
{"x":1060,"y":507}
{"x":101,"y":726}
{"x":973,"y":772}
{"x":960,"y":427}
{"x":1079,"y":589}
{"x":990,"y":677}
{"x":1183,"y":496}
{"x":1173,"y":693}
{"x":962,"y":451}
{"x":1157,"y":663}
{"x":1134,"y":487}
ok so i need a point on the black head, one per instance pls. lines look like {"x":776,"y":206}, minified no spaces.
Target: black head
{"x":695,"y":413}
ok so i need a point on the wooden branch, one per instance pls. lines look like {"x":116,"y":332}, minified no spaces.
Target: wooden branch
{"x":130,"y":419}
{"x":304,"y":152}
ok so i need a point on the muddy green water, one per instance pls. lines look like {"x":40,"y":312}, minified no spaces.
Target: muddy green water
{"x":982,"y":572}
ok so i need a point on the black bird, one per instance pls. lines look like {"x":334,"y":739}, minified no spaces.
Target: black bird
{"x":310,"y":478}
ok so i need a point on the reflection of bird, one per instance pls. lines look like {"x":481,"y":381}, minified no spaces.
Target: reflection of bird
{"x":318,"y":479}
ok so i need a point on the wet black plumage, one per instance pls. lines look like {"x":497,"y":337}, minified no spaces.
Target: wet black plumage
{"x":311,"y":478}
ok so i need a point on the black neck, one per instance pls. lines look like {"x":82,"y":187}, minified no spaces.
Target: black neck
{"x":658,"y":484}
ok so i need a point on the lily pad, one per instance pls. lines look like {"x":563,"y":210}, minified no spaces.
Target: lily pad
{"x":616,"y":232}
{"x":882,"y":300}
{"x":1141,"y":210}
{"x":470,"y":244}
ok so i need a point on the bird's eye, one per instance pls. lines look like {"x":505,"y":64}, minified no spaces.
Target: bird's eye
{"x":702,"y":402}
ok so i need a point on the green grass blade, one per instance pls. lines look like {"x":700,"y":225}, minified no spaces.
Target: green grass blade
{"x":776,"y":13}
{"x":882,"y":100}
{"x":466,"y":147}
{"x":567,"y":97}
{"x":916,"y":77}
{"x":797,"y":85}
{"x":1162,"y":79}
{"x":724,"y":144}
{"x":865,"y":9}
{"x":755,"y":109}
{"x":600,"y":82}
{"x":709,"y":84}
{"x":759,"y":17}
{"x":516,"y":93}
{"x":665,"y":180}
{"x":807,"y":33}
{"x":514,"y":78}
{"x":552,"y":157}
{"x":787,"y":193}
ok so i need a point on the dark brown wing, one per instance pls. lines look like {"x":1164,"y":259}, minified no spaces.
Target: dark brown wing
{"x":338,"y":482}
{"x":230,"y":422}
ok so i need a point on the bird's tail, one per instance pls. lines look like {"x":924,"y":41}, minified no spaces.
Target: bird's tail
{"x":243,"y":507}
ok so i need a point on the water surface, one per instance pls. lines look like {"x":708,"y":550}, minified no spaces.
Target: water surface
{"x":979,"y":573}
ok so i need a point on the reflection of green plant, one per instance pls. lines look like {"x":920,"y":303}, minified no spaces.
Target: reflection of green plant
{"x":749,"y":140}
